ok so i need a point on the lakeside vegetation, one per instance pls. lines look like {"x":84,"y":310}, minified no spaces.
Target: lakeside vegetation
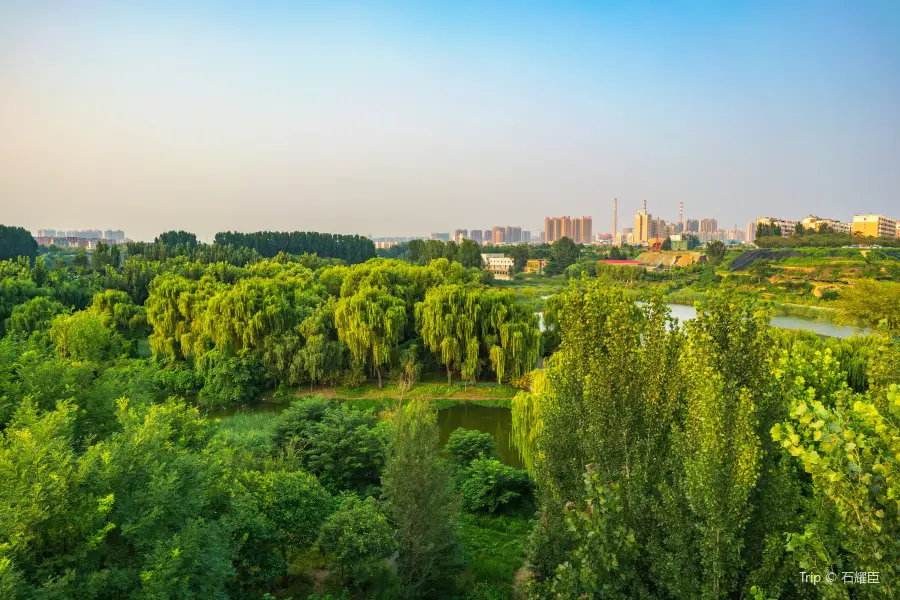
{"x":139,"y":456}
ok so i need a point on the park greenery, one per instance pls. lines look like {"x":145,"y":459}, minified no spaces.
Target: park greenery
{"x":259,"y":418}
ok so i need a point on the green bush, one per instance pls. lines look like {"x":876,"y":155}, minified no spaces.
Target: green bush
{"x":296,"y":420}
{"x":465,"y":445}
{"x":830,"y":295}
{"x":34,"y":315}
{"x":295,"y":502}
{"x":490,"y":486}
{"x":357,"y":539}
{"x":344,"y":448}
{"x":228,"y":379}
{"x":486,"y":591}
{"x":181,"y":382}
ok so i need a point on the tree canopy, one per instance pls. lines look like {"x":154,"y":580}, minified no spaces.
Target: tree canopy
{"x":16,"y":242}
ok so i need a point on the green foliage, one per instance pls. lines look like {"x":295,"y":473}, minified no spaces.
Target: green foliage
{"x":874,"y":305}
{"x":179,"y":381}
{"x":563,"y":253}
{"x":358,"y":539}
{"x":605,"y":556}
{"x":715,"y":252}
{"x":16,"y":242}
{"x":489,"y":486}
{"x":176,"y":238}
{"x":118,"y":309}
{"x":469,"y":326}
{"x":371,"y":323}
{"x":761,"y":270}
{"x":138,"y":514}
{"x":228,"y":379}
{"x":32,"y":316}
{"x":350,"y":248}
{"x":849,"y":446}
{"x":421,"y":505}
{"x":465,"y":445}
{"x":295,"y":502}
{"x":344,"y":448}
{"x":105,"y":255}
{"x":85,"y":336}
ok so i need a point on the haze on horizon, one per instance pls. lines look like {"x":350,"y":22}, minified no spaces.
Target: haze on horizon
{"x":404,"y":119}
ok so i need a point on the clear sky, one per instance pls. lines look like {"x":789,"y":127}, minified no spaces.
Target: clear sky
{"x":405,"y":118}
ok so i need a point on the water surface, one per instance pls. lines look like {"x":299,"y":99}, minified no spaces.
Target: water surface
{"x":496,"y":421}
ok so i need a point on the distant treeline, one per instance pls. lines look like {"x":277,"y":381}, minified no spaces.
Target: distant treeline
{"x":351,"y":248}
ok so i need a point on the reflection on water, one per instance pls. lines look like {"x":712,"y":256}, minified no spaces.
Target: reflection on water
{"x":496,"y":421}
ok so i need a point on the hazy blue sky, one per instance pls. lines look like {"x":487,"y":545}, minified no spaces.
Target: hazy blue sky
{"x":403,"y":118}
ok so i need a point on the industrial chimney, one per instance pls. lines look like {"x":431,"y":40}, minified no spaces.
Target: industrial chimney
{"x":615,"y":218}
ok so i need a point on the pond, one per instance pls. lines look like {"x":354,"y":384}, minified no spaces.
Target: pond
{"x":496,"y":421}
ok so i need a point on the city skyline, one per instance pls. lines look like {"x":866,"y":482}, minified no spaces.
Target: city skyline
{"x":394,"y":119}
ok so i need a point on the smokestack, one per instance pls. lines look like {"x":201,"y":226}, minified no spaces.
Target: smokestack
{"x":615,"y":217}
{"x":645,"y":205}
{"x":681,"y":212}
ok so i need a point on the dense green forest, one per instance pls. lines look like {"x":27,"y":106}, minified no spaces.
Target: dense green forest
{"x":718,"y":458}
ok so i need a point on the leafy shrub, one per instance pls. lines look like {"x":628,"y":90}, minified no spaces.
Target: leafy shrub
{"x":294,"y":421}
{"x":486,"y":591}
{"x":357,"y":538}
{"x":465,"y":445}
{"x":84,"y":336}
{"x":178,"y":381}
{"x":830,"y":295}
{"x":345,"y":448}
{"x":295,"y":502}
{"x":228,"y":379}
{"x":34,"y":315}
{"x":490,"y":486}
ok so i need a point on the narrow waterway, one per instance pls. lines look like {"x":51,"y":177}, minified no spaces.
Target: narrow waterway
{"x":684,"y":312}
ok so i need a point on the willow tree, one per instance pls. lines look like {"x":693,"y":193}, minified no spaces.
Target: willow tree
{"x":511,"y":333}
{"x":371,"y":323}
{"x":448,"y":322}
{"x":175,"y":309}
{"x":468,"y":326}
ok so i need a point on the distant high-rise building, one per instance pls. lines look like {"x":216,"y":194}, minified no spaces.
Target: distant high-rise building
{"x":512,"y":234}
{"x":476,"y":236}
{"x":498,"y":235}
{"x":114,"y":234}
{"x":444,"y":237}
{"x":581,"y":230}
{"x":526,"y":237}
{"x":642,"y":227}
{"x":692,"y":226}
{"x":709,"y":225}
{"x":557,"y":227}
{"x":460,"y":234}
{"x":750,"y":233}
{"x":488,"y":236}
